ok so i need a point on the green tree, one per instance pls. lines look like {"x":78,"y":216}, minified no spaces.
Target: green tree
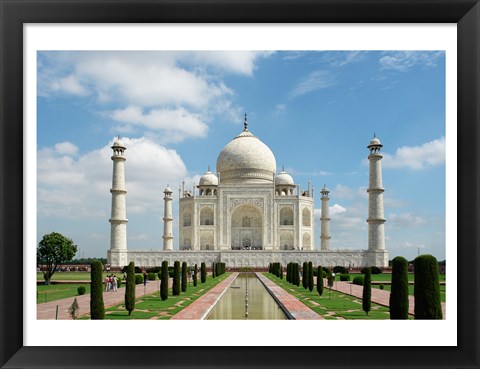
{"x":310,"y":276}
{"x":427,"y":288}
{"x":164,"y":281}
{"x":320,"y":280}
{"x":399,"y":289}
{"x":367,"y":291}
{"x":54,"y":250}
{"x":296,"y":274}
{"x":130,"y":288}
{"x":213,"y":270}
{"x":184,"y":276}
{"x":176,"y":279}
{"x":203,"y":272}
{"x":195,"y":272}
{"x":97,"y":309}
{"x":305,"y":275}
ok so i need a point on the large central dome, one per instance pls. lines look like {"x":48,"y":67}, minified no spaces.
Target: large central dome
{"x":246,"y":159}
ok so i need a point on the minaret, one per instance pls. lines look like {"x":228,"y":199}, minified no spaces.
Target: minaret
{"x":167,"y":221}
{"x":325,"y":220}
{"x":118,"y":220}
{"x":376,"y":220}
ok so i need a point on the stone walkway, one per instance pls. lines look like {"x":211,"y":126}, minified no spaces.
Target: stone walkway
{"x":200,"y":308}
{"x":47,"y":310}
{"x":379,"y":296}
{"x":296,"y":309}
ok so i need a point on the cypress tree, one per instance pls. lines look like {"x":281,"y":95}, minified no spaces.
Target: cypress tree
{"x":320,"y":280}
{"x":164,"y":281}
{"x":288,"y":273}
{"x":195,"y":271}
{"x":213,"y":270}
{"x":367,"y":291}
{"x":297,"y":274}
{"x":310,"y":276}
{"x":281,"y":272}
{"x":427,"y":288}
{"x":399,"y":290}
{"x":184,"y":276}
{"x":305,"y":275}
{"x":176,"y":279}
{"x":203,"y":272}
{"x":97,"y":309}
{"x":130,"y":288}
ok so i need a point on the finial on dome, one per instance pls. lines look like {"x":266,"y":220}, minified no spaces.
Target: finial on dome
{"x":245,"y":123}
{"x":209,"y":167}
{"x":118,"y":136}
{"x":374,"y":135}
{"x":283,"y":167}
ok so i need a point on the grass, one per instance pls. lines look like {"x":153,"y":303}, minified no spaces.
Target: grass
{"x":58,"y":291}
{"x":387,"y":287}
{"x":387,"y":277}
{"x":152,"y":307}
{"x":74,"y":276}
{"x":333,"y":304}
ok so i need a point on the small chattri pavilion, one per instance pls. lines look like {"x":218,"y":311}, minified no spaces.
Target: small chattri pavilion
{"x":247,"y":215}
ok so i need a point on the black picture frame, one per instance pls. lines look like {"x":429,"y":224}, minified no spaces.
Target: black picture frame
{"x":15,"y":13}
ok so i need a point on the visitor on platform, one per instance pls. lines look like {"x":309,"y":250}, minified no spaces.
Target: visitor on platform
{"x":144,"y":278}
{"x":107,"y":282}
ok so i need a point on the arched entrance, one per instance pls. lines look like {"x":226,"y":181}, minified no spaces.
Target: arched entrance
{"x":246,"y":228}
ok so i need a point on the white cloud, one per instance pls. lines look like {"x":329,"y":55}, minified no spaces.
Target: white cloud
{"x":179,"y":123}
{"x":402,"y":61}
{"x":241,"y":62}
{"x":279,"y":109}
{"x":429,"y":154}
{"x":314,"y":81}
{"x":405,"y":220}
{"x":66,"y":148}
{"x":79,"y":187}
{"x":69,"y":84}
{"x":333,"y":211}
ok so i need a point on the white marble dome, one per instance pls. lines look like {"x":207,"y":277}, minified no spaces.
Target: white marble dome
{"x":375,"y":142}
{"x":283,"y":179}
{"x":118,"y":143}
{"x":246,"y":159}
{"x":208,"y":179}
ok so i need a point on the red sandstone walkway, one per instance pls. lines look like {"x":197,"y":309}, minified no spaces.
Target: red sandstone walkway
{"x":297,"y":309}
{"x":200,"y":308}
{"x":379,"y":296}
{"x":47,"y":310}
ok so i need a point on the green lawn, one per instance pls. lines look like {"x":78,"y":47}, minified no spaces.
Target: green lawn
{"x":332,"y":305}
{"x":152,"y":307}
{"x":58,"y":291}
{"x":74,"y":276}
{"x":387,"y":287}
{"x":388,"y":277}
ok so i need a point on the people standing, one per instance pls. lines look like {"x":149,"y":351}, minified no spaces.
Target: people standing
{"x":144,"y":278}
{"x":115,"y":283}
{"x":107,"y":282}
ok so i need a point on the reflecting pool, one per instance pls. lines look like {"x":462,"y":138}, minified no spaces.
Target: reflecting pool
{"x":246,"y":298}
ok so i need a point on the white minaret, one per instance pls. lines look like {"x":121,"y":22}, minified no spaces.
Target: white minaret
{"x":376,"y":220}
{"x":118,"y":220}
{"x":325,"y":220}
{"x":167,"y":221}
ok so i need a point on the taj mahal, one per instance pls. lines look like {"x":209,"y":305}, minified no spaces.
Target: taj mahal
{"x":247,"y":215}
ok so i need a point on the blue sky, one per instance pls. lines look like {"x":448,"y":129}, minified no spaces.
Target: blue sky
{"x":317,"y":111}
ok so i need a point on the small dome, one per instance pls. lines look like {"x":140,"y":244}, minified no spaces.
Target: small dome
{"x":284,"y":178}
{"x":168,"y":190}
{"x":119,"y":143}
{"x":208,"y":179}
{"x":325,"y":189}
{"x":375,"y":142}
{"x":246,"y":159}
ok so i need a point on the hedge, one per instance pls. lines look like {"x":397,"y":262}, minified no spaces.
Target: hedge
{"x":427,"y":288}
{"x":344,"y":277}
{"x":367,"y":292}
{"x":130,"y":288}
{"x":398,"y":301}
{"x":97,"y":308}
{"x":358,"y":280}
